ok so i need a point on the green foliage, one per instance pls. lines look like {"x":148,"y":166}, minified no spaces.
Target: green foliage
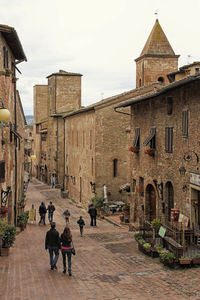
{"x":98,"y":202}
{"x":23,"y":218}
{"x":159,"y":248}
{"x":147,"y":245}
{"x":141,"y":241}
{"x":166,"y":254}
{"x":197,"y":256}
{"x":137,"y":235}
{"x":155,"y":224}
{"x":2,"y":228}
{"x":9,"y":235}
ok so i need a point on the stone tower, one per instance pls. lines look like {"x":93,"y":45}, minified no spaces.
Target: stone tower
{"x":156,"y":60}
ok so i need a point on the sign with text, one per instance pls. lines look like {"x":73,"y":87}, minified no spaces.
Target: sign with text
{"x":195,"y":179}
{"x":162,"y":231}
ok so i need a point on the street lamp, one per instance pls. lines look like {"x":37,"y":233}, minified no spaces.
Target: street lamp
{"x":33,"y":157}
{"x":4,"y":112}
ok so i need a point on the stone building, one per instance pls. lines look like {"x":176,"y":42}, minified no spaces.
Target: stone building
{"x":28,"y":147}
{"x":62,"y":94}
{"x":90,"y":148}
{"x":156,"y":60}
{"x":165,"y":172}
{"x":11,"y":141}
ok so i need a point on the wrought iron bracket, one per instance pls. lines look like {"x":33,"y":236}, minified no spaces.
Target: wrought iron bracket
{"x":4,"y":196}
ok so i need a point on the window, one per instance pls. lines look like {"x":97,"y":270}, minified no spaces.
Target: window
{"x":2,"y":171}
{"x":185,"y":123}
{"x":136,"y":142}
{"x":196,"y":71}
{"x":161,"y":80}
{"x":114,"y":167}
{"x":169,"y":105}
{"x":30,"y":133}
{"x":151,"y":138}
{"x":141,"y":186}
{"x":43,"y":138}
{"x":169,"y":139}
{"x":5,"y":58}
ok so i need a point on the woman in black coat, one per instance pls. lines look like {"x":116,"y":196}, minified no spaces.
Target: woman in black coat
{"x":66,"y":248}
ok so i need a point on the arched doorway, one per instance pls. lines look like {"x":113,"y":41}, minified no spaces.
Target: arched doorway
{"x":169,"y":199}
{"x":150,"y":208}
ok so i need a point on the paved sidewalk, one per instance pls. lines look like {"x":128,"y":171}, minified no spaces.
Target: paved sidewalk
{"x":107,"y":264}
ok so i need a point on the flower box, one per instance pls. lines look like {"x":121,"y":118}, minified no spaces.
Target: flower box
{"x":5,"y":251}
{"x":185,"y":261}
{"x":196,"y":261}
{"x":134,"y":149}
{"x":150,"y":152}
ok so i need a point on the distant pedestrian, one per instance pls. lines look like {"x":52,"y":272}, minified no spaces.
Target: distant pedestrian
{"x":81,"y":224}
{"x":66,"y":214}
{"x":42,"y":212}
{"x":52,"y":243}
{"x":93,"y":215}
{"x":66,"y":248}
{"x":32,"y":214}
{"x":51,"y":209}
{"x":53,"y":180}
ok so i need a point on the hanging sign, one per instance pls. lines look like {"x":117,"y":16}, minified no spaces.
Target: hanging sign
{"x":162,"y":231}
{"x":195,"y":179}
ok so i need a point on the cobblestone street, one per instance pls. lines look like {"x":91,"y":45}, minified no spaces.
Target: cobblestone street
{"x":107,"y":264}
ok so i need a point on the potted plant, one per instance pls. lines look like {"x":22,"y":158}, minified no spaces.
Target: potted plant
{"x":147,"y":247}
{"x":196,"y":259}
{"x":158,"y":248}
{"x":3,"y":211}
{"x":150,"y":152}
{"x":185,"y":260}
{"x":167,"y":256}
{"x":21,"y":221}
{"x":8,"y":238}
{"x":134,"y":149}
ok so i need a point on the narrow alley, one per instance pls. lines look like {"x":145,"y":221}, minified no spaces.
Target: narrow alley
{"x":107,"y":264}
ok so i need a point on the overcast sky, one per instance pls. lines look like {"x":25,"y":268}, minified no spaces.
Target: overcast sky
{"x":98,"y":38}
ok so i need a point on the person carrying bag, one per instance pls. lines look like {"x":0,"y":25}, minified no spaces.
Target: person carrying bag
{"x":67,"y":248}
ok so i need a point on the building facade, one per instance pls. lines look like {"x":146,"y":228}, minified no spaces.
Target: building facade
{"x":165,"y":172}
{"x":11,"y":140}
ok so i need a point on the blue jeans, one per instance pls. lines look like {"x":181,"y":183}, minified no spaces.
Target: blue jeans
{"x":53,"y":255}
{"x":50,"y":217}
{"x":69,"y":256}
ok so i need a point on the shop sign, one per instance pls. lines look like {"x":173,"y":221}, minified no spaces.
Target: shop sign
{"x":195,"y":179}
{"x":162,"y":231}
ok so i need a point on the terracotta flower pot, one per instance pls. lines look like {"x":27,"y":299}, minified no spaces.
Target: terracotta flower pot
{"x":5,"y":251}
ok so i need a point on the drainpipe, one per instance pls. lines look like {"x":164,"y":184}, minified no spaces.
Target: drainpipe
{"x":64,"y":159}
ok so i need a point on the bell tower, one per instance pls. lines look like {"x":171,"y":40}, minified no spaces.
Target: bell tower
{"x":156,"y":60}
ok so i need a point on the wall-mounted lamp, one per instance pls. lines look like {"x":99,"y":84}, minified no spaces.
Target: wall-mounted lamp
{"x":182,"y":170}
{"x":4,"y":112}
{"x":4,"y":196}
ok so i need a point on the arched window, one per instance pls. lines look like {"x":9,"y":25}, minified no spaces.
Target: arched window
{"x":161,"y":79}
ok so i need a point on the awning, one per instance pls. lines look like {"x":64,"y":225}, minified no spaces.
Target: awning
{"x":150,"y":137}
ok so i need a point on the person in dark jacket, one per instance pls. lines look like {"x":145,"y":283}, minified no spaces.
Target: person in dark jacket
{"x":52,"y":243}
{"x":81,"y":223}
{"x":51,"y":209}
{"x":42,"y":212}
{"x":66,"y":247}
{"x":93,"y":215}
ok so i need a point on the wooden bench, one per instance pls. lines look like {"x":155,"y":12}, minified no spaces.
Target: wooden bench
{"x":172,"y":245}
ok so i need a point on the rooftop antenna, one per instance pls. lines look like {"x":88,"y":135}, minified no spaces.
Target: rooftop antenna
{"x":156,"y":14}
{"x":188,"y":59}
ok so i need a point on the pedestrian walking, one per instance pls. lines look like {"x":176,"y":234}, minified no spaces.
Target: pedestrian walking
{"x":81,"y":224}
{"x":52,"y":243}
{"x":51,"y":209}
{"x":93,"y":215}
{"x":53,"y":180}
{"x":66,"y":214}
{"x":66,"y":248}
{"x":42,"y":212}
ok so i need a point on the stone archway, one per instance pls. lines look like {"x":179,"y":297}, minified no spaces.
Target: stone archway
{"x":150,"y":207}
{"x":169,"y":199}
